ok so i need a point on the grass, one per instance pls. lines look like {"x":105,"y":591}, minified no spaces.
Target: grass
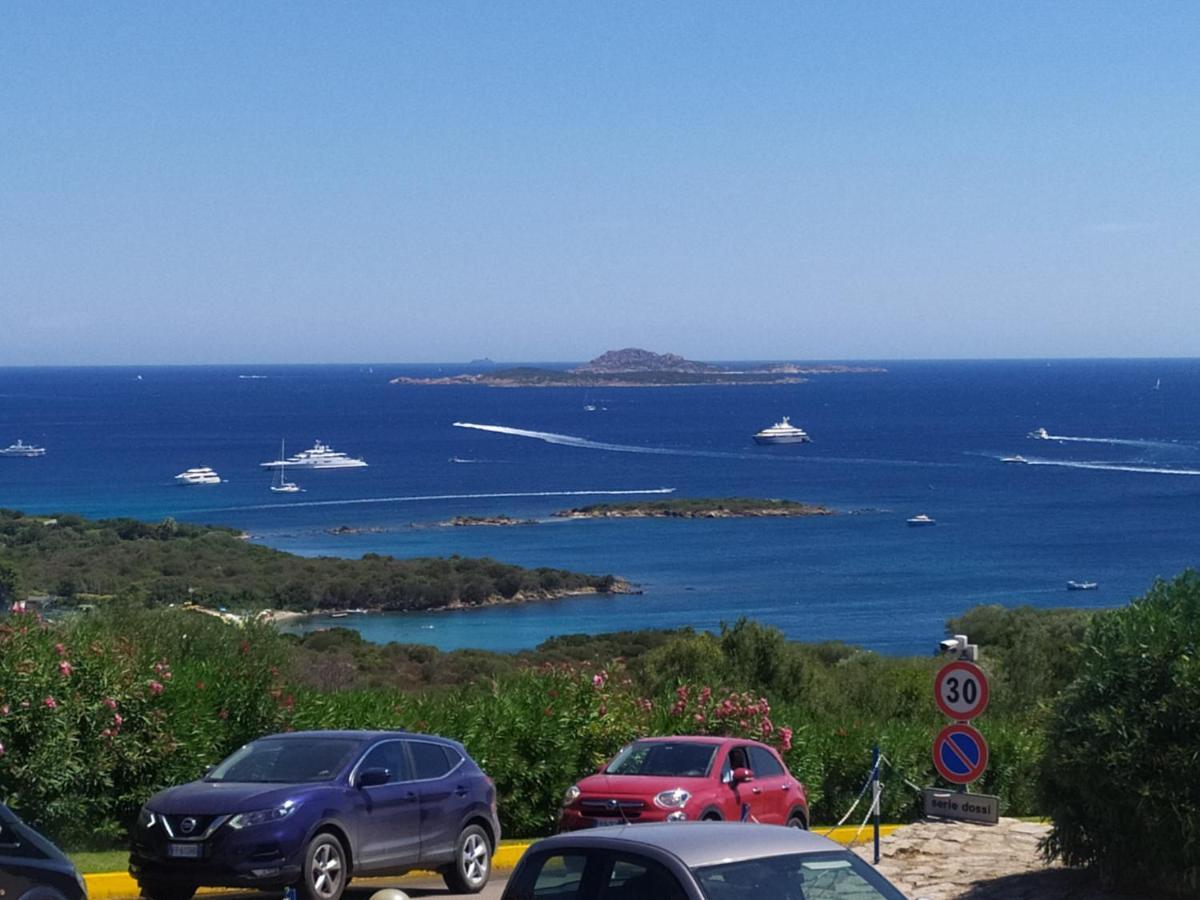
{"x":92,"y":861}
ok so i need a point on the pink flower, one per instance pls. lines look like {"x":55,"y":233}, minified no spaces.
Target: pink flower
{"x":699,"y":717}
{"x":117,"y":720}
{"x":4,"y":710}
{"x":1,"y":748}
{"x":705,"y":693}
{"x":110,"y":702}
{"x":785,"y":738}
{"x":65,"y":669}
{"x":602,"y":711}
{"x":155,"y":688}
{"x":51,"y":703}
{"x":646,"y":704}
{"x":678,"y":707}
{"x":60,"y":649}
{"x":599,"y":679}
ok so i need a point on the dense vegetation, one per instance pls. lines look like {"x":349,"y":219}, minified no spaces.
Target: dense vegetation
{"x":695,"y":508}
{"x":99,"y":710}
{"x":171,"y":562}
{"x":1121,"y":779}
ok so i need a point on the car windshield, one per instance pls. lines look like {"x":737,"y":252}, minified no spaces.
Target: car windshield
{"x":679,"y":758}
{"x":286,"y":761}
{"x":837,"y":875}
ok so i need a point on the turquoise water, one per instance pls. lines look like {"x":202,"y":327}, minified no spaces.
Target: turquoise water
{"x":1115,"y":501}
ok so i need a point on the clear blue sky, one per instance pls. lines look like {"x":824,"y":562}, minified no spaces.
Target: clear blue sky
{"x":404,"y":181}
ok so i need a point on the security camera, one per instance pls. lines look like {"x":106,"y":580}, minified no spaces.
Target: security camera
{"x":950,"y":645}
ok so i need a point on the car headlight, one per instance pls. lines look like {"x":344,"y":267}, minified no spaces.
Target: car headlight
{"x":263,"y":816}
{"x":146,"y":818}
{"x":674,"y":799}
{"x":571,"y":795}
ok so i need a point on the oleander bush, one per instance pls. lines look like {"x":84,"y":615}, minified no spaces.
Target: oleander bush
{"x":1119,"y":775}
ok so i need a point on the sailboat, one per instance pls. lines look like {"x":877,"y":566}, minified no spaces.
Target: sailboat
{"x":281,"y":485}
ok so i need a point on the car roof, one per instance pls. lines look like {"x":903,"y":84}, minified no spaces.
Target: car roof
{"x":696,"y":739}
{"x":698,"y":844}
{"x":363,"y":736}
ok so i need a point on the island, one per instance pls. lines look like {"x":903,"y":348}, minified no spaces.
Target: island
{"x":492,"y":521}
{"x":70,"y":561}
{"x":634,"y":367}
{"x":700,"y":508}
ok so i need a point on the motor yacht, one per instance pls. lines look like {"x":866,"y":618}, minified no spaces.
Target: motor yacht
{"x":783,"y":432}
{"x":920,"y":519}
{"x":22,"y":449}
{"x":199,"y":475}
{"x":320,"y":456}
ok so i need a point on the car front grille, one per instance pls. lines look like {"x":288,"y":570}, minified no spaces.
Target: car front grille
{"x":186,"y":827}
{"x":612,"y":808}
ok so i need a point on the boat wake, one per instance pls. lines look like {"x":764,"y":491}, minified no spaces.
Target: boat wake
{"x":1120,"y":442}
{"x":417,"y":498}
{"x":567,"y":440}
{"x":1113,"y":467}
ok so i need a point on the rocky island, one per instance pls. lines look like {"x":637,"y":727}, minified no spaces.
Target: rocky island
{"x":633,"y":367}
{"x":702,"y":508}
{"x":485,"y":521}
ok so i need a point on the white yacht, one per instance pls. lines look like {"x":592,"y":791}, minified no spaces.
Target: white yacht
{"x":21,"y":449}
{"x":782,"y":433}
{"x":1040,"y":434}
{"x":281,"y":485}
{"x":200,"y":475}
{"x":1018,"y":459}
{"x":919,"y":520}
{"x":321,"y":456}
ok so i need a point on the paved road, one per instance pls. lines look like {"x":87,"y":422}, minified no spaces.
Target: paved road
{"x":416,"y":886}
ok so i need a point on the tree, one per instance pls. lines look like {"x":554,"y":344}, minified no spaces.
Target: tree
{"x":10,"y":582}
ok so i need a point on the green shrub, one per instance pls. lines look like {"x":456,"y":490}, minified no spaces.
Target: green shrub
{"x":1120,"y":777}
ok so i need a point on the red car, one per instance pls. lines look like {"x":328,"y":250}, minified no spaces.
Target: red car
{"x":677,"y":779}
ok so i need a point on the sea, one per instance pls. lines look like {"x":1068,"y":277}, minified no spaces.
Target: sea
{"x":1111,"y":498}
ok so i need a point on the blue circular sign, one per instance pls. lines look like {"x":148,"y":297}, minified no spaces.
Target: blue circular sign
{"x":960,"y":754}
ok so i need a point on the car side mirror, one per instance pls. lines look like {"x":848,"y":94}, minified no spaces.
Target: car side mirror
{"x":372,"y":777}
{"x":741,"y":773}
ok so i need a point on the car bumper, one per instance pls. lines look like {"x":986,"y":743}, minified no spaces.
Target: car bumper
{"x":573,"y":820}
{"x":265,"y":865}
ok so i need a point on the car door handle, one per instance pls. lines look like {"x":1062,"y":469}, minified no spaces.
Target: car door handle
{"x":460,"y":791}
{"x":756,"y":790}
{"x":784,"y":787}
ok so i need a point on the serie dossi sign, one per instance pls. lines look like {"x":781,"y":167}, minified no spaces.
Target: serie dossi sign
{"x":960,"y":753}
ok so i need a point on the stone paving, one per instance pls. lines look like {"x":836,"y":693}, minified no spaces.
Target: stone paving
{"x":941,"y":860}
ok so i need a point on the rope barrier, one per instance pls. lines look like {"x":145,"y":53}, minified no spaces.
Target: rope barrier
{"x":857,"y":800}
{"x":901,"y":775}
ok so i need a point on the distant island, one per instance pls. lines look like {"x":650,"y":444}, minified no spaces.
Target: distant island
{"x":633,"y":367}
{"x":700,"y":508}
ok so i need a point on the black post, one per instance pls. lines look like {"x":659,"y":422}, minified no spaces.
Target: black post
{"x":875,"y":796}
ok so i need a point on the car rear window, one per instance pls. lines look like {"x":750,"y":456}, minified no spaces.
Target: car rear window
{"x":835,"y":875}
{"x":432,"y":760}
{"x":684,"y":759}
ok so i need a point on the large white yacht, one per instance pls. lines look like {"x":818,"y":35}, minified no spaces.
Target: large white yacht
{"x":199,"y":475}
{"x":782,"y":433}
{"x":321,"y":456}
{"x":20,"y":449}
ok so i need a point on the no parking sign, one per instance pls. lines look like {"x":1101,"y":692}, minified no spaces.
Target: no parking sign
{"x":960,"y":754}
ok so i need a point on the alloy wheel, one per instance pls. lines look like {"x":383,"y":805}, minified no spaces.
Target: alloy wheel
{"x":475,"y":859}
{"x":325,"y":875}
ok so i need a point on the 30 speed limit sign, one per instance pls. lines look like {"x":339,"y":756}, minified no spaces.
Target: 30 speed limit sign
{"x":961,"y":690}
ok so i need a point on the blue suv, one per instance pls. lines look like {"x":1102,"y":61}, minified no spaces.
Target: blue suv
{"x":314,"y":809}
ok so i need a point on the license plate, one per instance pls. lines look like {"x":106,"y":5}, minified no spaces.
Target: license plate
{"x":184,"y":851}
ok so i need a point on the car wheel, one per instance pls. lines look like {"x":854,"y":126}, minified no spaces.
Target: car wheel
{"x":797,"y":821}
{"x":158,"y":890}
{"x":324,"y":874}
{"x":711,"y":816}
{"x":472,"y":862}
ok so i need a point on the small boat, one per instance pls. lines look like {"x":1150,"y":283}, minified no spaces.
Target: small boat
{"x":338,"y":615}
{"x":921,"y":519}
{"x":22,"y":449}
{"x":590,"y":407}
{"x":281,"y":485}
{"x":783,"y":432}
{"x":1014,"y":459}
{"x":1039,"y":434}
{"x":198,"y":475}
{"x":1082,"y":585}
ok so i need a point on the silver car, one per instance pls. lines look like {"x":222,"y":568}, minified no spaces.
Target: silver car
{"x":694,"y":861}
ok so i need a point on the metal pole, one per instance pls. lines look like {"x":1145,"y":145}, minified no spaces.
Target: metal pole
{"x":875,"y":796}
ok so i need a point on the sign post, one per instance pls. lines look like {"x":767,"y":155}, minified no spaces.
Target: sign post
{"x":960,"y":753}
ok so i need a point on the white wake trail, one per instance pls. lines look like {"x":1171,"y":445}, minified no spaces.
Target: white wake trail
{"x":416,"y":498}
{"x":1112,"y":467}
{"x":567,"y":440}
{"x":1122,"y":442}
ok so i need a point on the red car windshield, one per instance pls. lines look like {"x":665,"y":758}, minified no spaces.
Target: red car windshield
{"x":682,"y":759}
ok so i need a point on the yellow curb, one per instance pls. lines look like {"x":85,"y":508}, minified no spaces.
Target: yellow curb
{"x":120,"y":886}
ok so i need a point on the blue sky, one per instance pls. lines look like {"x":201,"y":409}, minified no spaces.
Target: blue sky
{"x":300,"y":182}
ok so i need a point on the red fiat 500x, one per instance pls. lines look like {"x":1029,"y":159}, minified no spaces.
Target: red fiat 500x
{"x":676,"y":779}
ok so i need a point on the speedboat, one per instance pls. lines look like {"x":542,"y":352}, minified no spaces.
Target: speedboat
{"x":200,"y":475}
{"x":21,"y":449}
{"x":921,"y":519}
{"x":1014,"y":459}
{"x":321,"y":456}
{"x":1040,"y":434}
{"x":1082,"y":585}
{"x":783,"y":432}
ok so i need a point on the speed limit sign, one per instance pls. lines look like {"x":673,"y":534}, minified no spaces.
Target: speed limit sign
{"x":961,"y":690}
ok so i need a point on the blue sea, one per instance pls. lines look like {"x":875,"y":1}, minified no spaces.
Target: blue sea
{"x":1112,"y":499}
